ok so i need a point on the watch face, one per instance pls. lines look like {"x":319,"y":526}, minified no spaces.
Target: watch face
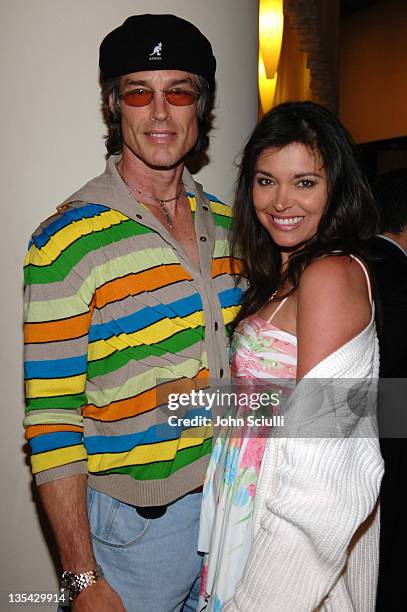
{"x":68,"y":584}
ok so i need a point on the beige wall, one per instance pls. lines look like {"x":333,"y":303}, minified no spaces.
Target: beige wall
{"x":373,"y":72}
{"x":51,"y":143}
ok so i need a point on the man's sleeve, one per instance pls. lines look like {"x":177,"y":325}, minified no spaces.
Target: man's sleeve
{"x":57,"y":315}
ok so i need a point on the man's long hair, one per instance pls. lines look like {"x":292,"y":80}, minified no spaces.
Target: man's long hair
{"x":112,"y":114}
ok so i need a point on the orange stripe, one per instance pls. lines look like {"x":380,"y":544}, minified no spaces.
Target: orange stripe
{"x":132,"y":284}
{"x":145,"y":401}
{"x":223,"y":265}
{"x":38,"y":430}
{"x":65,"y":329}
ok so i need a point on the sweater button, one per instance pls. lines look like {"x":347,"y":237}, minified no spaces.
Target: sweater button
{"x":205,"y":207}
{"x":138,"y":216}
{"x":202,"y":238}
{"x":221,"y":372}
{"x":216,"y":326}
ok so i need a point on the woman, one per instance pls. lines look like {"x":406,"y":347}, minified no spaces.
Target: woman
{"x":301,"y":534}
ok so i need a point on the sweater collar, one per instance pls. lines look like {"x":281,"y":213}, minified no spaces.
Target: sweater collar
{"x":109,"y":189}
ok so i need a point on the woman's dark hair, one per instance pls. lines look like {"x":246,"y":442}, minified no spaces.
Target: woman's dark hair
{"x":349,"y":220}
{"x":112,"y":116}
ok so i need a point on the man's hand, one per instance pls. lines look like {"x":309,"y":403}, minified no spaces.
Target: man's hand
{"x":99,"y":596}
{"x":64,"y":501}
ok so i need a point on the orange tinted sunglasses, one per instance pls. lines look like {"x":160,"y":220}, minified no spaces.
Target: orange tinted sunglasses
{"x":143,"y":97}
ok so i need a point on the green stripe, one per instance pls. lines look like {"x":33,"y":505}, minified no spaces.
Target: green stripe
{"x":44,"y":311}
{"x":221,"y":249}
{"x":175,"y":344}
{"x":53,"y":418}
{"x":163,"y":469}
{"x":228,"y":329}
{"x":81,"y":247}
{"x":222,"y":221}
{"x":131,"y":264}
{"x":69,"y":402}
{"x":146,"y":380}
{"x":125,"y":264}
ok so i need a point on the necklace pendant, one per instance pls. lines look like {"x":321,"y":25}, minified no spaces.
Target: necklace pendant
{"x":162,"y":203}
{"x":167,"y":215}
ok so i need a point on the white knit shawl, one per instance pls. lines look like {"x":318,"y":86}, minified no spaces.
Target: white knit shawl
{"x":316,"y":517}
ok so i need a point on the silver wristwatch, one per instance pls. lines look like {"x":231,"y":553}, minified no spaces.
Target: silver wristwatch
{"x":72,"y":584}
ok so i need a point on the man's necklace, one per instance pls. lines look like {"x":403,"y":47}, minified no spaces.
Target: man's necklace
{"x":161,"y":202}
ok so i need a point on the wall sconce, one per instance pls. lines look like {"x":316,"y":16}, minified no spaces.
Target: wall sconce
{"x":271,"y":24}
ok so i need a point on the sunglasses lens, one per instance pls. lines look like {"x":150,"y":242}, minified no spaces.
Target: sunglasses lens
{"x":143,"y":97}
{"x":180,"y":98}
{"x":138,"y":98}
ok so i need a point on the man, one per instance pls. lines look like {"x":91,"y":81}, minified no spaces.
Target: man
{"x":127,"y":287}
{"x":391,"y":277}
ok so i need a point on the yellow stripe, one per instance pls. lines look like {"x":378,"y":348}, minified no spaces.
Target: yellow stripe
{"x":221,"y":209}
{"x":217,"y":207}
{"x":38,"y":387}
{"x":57,"y":457}
{"x":140,"y":455}
{"x":192,"y":203}
{"x":157,"y":332}
{"x":149,"y":335}
{"x":229,"y":313}
{"x":70,"y":233}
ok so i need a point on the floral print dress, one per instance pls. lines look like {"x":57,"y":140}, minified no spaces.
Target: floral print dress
{"x":260,"y":351}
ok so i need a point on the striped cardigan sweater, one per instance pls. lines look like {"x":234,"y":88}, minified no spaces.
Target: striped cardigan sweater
{"x":114,"y":315}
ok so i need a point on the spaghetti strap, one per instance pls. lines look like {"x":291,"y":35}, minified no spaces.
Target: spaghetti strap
{"x":362,"y":265}
{"x":281,"y":304}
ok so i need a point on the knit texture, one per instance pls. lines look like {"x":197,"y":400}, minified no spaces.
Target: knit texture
{"x":316,"y":520}
{"x":113,"y":316}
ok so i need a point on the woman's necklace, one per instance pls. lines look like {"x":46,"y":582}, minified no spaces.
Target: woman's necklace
{"x":273,"y":295}
{"x":161,"y":202}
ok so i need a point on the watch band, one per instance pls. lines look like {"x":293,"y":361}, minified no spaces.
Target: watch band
{"x":72,"y":584}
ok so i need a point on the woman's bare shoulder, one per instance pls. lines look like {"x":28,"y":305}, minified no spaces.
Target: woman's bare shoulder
{"x":327,"y":272}
{"x":333,"y":307}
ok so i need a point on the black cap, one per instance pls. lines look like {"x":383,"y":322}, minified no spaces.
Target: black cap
{"x":156,"y":42}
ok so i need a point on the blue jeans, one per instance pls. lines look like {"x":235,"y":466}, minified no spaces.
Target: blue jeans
{"x":153,"y":564}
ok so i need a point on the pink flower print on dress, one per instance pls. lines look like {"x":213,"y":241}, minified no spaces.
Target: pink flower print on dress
{"x":253,"y":453}
{"x":245,"y":363}
{"x":204,"y":574}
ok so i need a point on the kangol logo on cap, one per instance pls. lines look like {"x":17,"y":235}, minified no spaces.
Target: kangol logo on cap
{"x":156,"y":54}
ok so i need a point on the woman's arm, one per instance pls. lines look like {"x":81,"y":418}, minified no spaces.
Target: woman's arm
{"x":333,"y":307}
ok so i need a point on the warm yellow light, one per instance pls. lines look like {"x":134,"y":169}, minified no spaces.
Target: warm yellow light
{"x":271,"y":24}
{"x":267,"y":87}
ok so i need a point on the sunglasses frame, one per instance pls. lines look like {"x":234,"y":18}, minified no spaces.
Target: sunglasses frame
{"x":151,"y":92}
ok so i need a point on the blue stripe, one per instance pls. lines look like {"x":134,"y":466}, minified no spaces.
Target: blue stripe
{"x":231,"y":297}
{"x":213,"y":198}
{"x":55,"y":368}
{"x":157,"y":433}
{"x":145,"y":317}
{"x":52,"y":441}
{"x":70,"y":215}
{"x":210,"y":197}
